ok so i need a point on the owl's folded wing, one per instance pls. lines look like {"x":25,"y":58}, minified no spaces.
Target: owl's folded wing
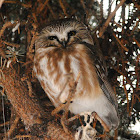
{"x":101,"y":71}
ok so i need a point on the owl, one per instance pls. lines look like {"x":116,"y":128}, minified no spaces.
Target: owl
{"x":64,"y":48}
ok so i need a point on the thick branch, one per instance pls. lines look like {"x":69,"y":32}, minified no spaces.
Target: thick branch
{"x":30,"y":111}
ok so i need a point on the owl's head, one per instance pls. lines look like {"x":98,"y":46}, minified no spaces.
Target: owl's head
{"x":63,"y":33}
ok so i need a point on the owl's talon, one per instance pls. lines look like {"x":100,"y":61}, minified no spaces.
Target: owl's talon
{"x":88,"y":118}
{"x":85,"y":131}
{"x":106,"y":128}
{"x":94,"y":123}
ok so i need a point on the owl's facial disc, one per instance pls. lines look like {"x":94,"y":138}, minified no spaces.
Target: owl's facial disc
{"x":63,"y":41}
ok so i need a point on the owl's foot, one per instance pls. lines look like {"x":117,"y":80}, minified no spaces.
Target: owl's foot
{"x":101,"y":121}
{"x":94,"y":123}
{"x":106,"y":129}
{"x":86,"y":131}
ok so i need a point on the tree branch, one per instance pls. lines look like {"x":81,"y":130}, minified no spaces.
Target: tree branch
{"x":102,"y":30}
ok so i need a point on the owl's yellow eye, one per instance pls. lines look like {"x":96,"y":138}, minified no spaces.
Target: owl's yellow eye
{"x":71,"y":33}
{"x":52,"y":37}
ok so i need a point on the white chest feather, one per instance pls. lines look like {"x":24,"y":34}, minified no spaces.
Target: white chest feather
{"x":55,"y":72}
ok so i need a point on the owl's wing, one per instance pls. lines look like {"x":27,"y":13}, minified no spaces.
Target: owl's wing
{"x":101,"y":71}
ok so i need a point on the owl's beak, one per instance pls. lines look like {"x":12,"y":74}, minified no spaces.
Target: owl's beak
{"x":64,"y":43}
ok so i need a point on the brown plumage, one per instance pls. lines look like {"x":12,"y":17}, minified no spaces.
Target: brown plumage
{"x":65,"y":47}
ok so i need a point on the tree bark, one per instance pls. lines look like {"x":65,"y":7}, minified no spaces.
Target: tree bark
{"x":40,"y":123}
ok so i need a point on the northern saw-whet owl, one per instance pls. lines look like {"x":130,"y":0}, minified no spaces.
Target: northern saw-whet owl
{"x":65,"y":47}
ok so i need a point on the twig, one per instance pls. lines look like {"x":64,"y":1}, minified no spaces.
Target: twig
{"x":102,"y":30}
{"x":65,"y":107}
{"x":30,"y":88}
{"x":64,"y":85}
{"x":132,"y":104}
{"x":120,"y":72}
{"x":101,"y":10}
{"x":137,"y":23}
{"x":63,"y":7}
{"x":137,"y":73}
{"x":73,"y":118}
{"x":31,"y":50}
{"x":72,"y":90}
{"x":28,"y":5}
{"x":2,"y":53}
{"x":50,"y":8}
{"x":56,"y":110}
{"x":109,"y":7}
{"x":84,"y":7}
{"x":42,"y":6}
{"x":7,"y":24}
{"x":136,"y":42}
{"x":6,"y":123}
{"x":126,"y":95}
{"x":116,"y":135}
{"x":13,"y":126}
{"x":35,"y":18}
{"x":136,"y":4}
{"x":117,"y":24}
{"x":22,"y":136}
{"x":137,"y":97}
{"x":126,"y":49}
{"x":11,"y":44}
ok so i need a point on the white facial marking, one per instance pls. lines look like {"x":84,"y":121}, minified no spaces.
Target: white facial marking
{"x":63,"y":34}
